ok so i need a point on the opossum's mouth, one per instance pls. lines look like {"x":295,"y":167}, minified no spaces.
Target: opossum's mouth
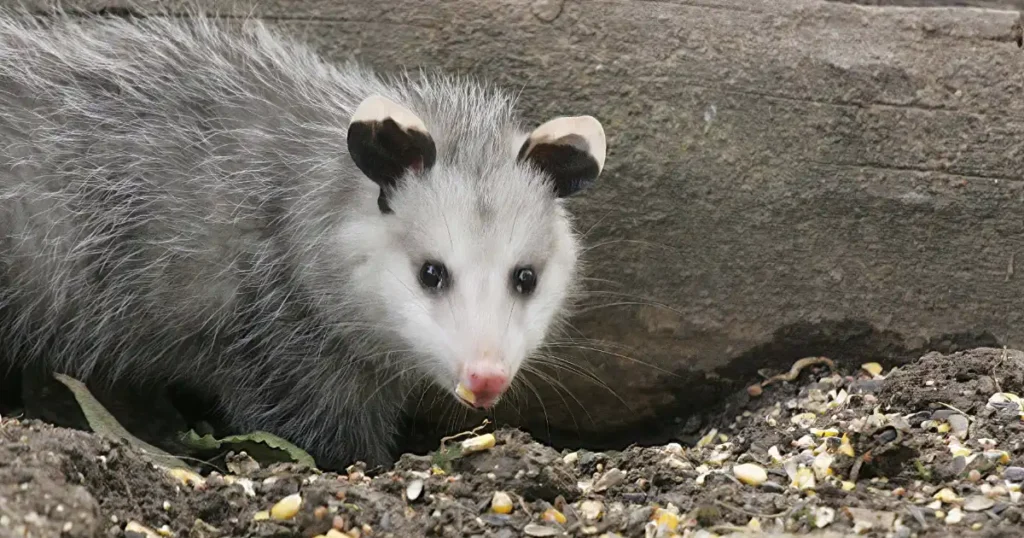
{"x":471,"y":400}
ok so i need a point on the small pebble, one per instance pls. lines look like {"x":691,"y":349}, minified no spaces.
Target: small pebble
{"x":959,"y":424}
{"x":613,"y":477}
{"x":241,"y":464}
{"x":954,"y":516}
{"x":1014,"y":474}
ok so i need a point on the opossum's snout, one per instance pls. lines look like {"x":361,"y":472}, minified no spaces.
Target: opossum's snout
{"x":483,"y":381}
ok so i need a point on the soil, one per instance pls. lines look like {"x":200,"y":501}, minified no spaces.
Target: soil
{"x":937,"y":450}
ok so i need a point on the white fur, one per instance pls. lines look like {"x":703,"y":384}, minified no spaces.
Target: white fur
{"x":177,"y":205}
{"x":377,"y":108}
{"x":586,"y":127}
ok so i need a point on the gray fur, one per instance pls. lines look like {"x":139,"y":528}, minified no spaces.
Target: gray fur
{"x":176,"y":203}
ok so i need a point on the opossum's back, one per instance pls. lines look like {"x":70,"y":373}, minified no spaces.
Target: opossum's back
{"x":122,"y":180}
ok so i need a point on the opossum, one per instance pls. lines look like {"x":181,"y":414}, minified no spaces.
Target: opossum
{"x":186,"y":200}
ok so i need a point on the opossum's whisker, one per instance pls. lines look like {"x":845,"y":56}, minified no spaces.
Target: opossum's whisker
{"x":559,"y":388}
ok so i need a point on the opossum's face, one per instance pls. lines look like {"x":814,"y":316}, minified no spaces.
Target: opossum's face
{"x":475,"y":263}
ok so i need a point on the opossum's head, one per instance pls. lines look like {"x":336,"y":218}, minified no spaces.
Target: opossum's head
{"x":474,"y":257}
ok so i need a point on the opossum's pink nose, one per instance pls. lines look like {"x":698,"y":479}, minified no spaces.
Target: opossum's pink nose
{"x":487,"y":382}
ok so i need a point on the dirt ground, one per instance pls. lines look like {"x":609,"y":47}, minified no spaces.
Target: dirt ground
{"x":934,"y":448}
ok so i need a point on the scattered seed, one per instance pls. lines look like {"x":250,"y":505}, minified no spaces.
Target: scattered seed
{"x":750,"y":474}
{"x":553,"y":516}
{"x":872,"y":368}
{"x":824,"y":516}
{"x":534,"y":529}
{"x":707,"y":439}
{"x":478,"y":443}
{"x":414,"y":489}
{"x":978,"y":503}
{"x":664,"y":519}
{"x":186,"y":477}
{"x":591,"y":510}
{"x":997,"y":456}
{"x":947,"y":495}
{"x":954,"y":516}
{"x":501,"y":503}
{"x":804,"y":479}
{"x":287,"y":507}
{"x":803,"y":420}
{"x":822,"y":465}
{"x":261,"y":515}
{"x":135,"y":526}
{"x":845,"y":447}
{"x":959,"y":424}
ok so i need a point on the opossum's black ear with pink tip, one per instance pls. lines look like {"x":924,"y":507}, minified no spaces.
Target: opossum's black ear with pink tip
{"x":386,"y":140}
{"x":569,"y":149}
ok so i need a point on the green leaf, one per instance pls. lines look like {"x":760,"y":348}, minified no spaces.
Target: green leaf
{"x":103,"y":423}
{"x":263,"y":447}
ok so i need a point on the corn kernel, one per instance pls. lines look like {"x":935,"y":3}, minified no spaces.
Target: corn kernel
{"x":872,"y":368}
{"x":478,"y":443}
{"x":465,"y":393}
{"x":186,"y":476}
{"x":666,"y":519}
{"x":553,"y":516}
{"x":501,"y":503}
{"x":750,"y":474}
{"x":287,"y":507}
{"x":845,"y":447}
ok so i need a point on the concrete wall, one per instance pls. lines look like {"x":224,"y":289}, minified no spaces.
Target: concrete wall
{"x":785,"y":177}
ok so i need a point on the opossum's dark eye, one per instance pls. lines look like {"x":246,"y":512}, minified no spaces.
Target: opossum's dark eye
{"x":433,"y":276}
{"x":524,"y":280}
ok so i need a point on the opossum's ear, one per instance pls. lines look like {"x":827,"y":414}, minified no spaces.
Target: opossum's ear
{"x":385,"y":141}
{"x":569,"y":149}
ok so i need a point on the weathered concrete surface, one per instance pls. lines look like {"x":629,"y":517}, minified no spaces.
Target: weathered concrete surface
{"x":787,"y":177}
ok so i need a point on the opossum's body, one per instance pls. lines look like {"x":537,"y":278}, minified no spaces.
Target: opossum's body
{"x":178,"y":202}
